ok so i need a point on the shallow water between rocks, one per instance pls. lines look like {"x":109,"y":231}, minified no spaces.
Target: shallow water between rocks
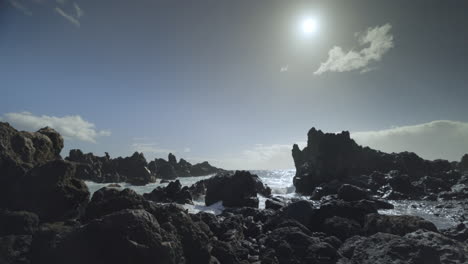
{"x":443,"y":214}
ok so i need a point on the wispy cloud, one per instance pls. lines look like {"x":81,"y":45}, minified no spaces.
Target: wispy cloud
{"x":259,"y":156}
{"x":70,"y":127}
{"x":71,"y":18}
{"x":284,"y":68}
{"x":79,"y":12}
{"x":150,"y":148}
{"x":20,"y":7}
{"x":379,"y":41}
{"x":444,"y":139}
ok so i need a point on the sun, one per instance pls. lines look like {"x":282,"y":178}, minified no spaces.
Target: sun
{"x":309,"y":26}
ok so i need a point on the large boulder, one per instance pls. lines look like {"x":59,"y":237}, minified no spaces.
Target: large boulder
{"x":20,"y":151}
{"x":173,"y":192}
{"x":292,"y":245}
{"x":29,"y":148}
{"x":238,"y":189}
{"x":204,"y":168}
{"x":128,"y":236}
{"x":109,"y":200}
{"x":51,"y":191}
{"x":350,"y":192}
{"x":134,"y":169}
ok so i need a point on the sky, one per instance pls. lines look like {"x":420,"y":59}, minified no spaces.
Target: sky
{"x":237,"y":82}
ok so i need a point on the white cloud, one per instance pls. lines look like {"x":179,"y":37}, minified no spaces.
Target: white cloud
{"x":20,"y":7}
{"x":187,"y":150}
{"x":284,"y":68}
{"x":150,"y":148}
{"x":78,"y":10}
{"x":379,"y":41}
{"x":72,"y":19}
{"x":437,"y":139}
{"x":274,"y":156}
{"x":70,"y":127}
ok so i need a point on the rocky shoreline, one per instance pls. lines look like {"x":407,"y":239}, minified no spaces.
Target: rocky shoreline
{"x":48,"y":216}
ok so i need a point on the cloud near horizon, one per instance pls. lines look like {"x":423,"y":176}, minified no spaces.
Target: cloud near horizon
{"x":150,"y":148}
{"x":379,"y":40}
{"x":442,"y":139}
{"x":72,"y":127}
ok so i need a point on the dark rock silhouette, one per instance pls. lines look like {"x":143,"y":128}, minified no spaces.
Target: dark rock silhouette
{"x":133,"y":169}
{"x":127,"y":236}
{"x":464,"y":163}
{"x":417,"y":247}
{"x":46,"y":215}
{"x":20,"y":151}
{"x":238,"y":189}
{"x":51,"y":191}
{"x":330,"y":160}
{"x":171,"y":169}
{"x":173,"y":192}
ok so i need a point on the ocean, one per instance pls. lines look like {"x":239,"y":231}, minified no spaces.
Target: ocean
{"x":281,"y":182}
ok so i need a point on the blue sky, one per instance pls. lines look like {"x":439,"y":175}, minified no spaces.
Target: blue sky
{"x":233,"y":82}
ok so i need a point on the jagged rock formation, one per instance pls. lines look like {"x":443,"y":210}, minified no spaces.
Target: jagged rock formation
{"x":133,"y":169}
{"x":171,"y":169}
{"x":172,"y":193}
{"x":45,"y":217}
{"x":329,"y":160}
{"x":20,"y":151}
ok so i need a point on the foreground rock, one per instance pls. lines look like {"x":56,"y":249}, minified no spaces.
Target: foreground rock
{"x":396,"y":224}
{"x":234,"y":190}
{"x":20,"y":151}
{"x":417,"y":247}
{"x":136,"y":237}
{"x":50,"y":191}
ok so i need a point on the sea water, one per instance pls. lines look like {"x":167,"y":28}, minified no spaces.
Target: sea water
{"x":281,"y":183}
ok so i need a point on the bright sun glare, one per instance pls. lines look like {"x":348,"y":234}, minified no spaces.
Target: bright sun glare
{"x":309,"y":26}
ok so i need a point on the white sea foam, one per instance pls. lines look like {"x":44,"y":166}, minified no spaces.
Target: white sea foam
{"x":281,"y":183}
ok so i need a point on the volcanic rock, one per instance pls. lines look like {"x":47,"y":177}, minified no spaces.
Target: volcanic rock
{"x":238,"y":189}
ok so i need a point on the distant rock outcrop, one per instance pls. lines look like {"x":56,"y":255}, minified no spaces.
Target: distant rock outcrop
{"x":133,"y":169}
{"x":330,"y":160}
{"x":171,"y":169}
